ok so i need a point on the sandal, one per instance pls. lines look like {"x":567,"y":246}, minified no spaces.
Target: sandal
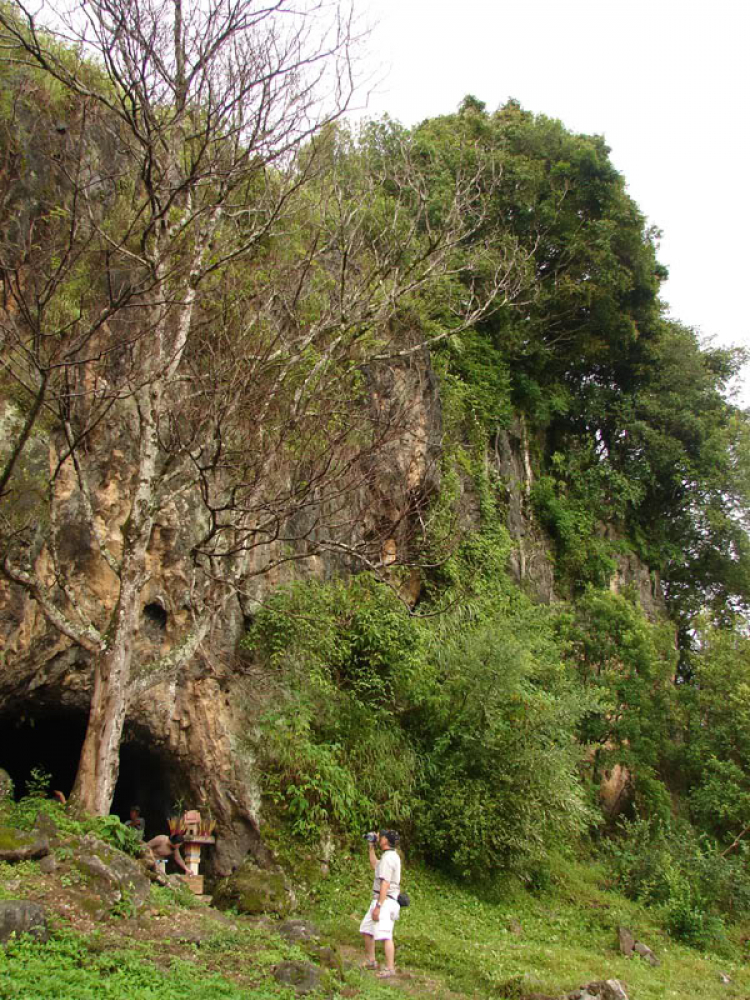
{"x":386,"y":973}
{"x":373,"y":966}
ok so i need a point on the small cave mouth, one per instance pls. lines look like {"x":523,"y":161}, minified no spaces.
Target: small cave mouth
{"x":42,"y":743}
{"x":154,"y":623}
{"x":151,"y":779}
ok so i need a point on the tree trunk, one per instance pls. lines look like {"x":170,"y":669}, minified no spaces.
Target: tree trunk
{"x":99,"y":764}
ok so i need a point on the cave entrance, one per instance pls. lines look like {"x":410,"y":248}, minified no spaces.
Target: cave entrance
{"x":49,"y":739}
{"x":150,"y":778}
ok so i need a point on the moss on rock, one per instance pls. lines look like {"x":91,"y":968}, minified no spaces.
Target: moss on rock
{"x":253,"y":890}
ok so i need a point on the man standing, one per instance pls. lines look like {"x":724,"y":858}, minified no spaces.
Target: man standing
{"x":378,"y":922}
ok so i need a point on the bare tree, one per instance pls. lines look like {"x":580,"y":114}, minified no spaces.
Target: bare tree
{"x":271,"y":270}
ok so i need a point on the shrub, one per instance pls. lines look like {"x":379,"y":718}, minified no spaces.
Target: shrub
{"x":673,"y":866}
{"x":500,"y":781}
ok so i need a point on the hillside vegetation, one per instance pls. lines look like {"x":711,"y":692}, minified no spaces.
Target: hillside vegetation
{"x":238,"y":298}
{"x":502,"y":939}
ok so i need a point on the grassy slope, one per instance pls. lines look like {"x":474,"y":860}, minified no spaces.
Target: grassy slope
{"x":452,"y":942}
{"x":458,"y":941}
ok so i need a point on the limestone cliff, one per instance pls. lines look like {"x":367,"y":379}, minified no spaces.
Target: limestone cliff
{"x":185,"y":740}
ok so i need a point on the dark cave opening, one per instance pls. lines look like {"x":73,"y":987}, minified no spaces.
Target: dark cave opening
{"x":49,"y":738}
{"x":39,"y":738}
{"x":154,"y":622}
{"x":148,"y":778}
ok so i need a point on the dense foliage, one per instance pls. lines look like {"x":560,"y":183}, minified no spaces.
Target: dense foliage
{"x":505,"y":252}
{"x":485,"y":732}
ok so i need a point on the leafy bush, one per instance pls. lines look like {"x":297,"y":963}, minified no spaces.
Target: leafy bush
{"x":672,"y":866}
{"x":331,"y":748}
{"x":114,"y":831}
{"x":688,"y":920}
{"x":500,"y":783}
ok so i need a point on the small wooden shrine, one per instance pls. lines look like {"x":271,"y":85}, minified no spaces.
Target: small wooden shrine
{"x":197,"y":833}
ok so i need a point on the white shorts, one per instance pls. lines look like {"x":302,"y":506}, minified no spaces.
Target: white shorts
{"x":383,"y":929}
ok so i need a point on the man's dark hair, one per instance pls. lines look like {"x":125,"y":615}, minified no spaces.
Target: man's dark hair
{"x":176,"y":839}
{"x":136,"y":809}
{"x":391,"y":836}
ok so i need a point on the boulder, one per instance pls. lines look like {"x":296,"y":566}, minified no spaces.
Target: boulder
{"x":254,"y":890}
{"x":645,"y":952}
{"x":303,"y":977}
{"x":307,"y":936}
{"x":326,"y":956}
{"x":613,"y":990}
{"x":627,"y":941}
{"x":299,"y":930}
{"x":601,"y":989}
{"x":16,"y":845}
{"x":20,"y":916}
{"x":110,"y":875}
{"x":46,"y":828}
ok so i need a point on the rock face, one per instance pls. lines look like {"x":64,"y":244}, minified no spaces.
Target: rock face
{"x":531,"y":561}
{"x":19,"y":916}
{"x":254,"y":891}
{"x":111,"y":876}
{"x":15,"y":845}
{"x":632,"y":573}
{"x":190,"y":731}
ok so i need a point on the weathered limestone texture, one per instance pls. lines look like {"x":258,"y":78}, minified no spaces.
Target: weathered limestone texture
{"x":195,"y":723}
{"x":531,"y":561}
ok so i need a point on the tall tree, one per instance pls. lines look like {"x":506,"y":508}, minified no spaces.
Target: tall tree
{"x":271,"y":276}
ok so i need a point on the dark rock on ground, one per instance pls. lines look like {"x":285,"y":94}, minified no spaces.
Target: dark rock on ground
{"x":645,"y":952}
{"x":20,"y":916}
{"x":48,"y":865}
{"x":307,"y":935}
{"x":110,"y":875}
{"x":6,"y":785}
{"x":325,"y":956}
{"x":254,"y":890}
{"x":16,"y":845}
{"x":299,"y":930}
{"x":627,"y":941}
{"x":302,"y":976}
{"x":602,"y":989}
{"x":46,"y":828}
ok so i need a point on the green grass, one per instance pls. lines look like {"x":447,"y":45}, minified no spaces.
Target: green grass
{"x":462,"y":938}
{"x":66,"y":969}
{"x":453,"y":942}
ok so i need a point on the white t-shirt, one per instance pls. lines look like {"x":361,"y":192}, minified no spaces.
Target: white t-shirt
{"x":388,"y":868}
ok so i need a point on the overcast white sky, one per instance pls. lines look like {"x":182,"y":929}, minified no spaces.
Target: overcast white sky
{"x":667,"y":82}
